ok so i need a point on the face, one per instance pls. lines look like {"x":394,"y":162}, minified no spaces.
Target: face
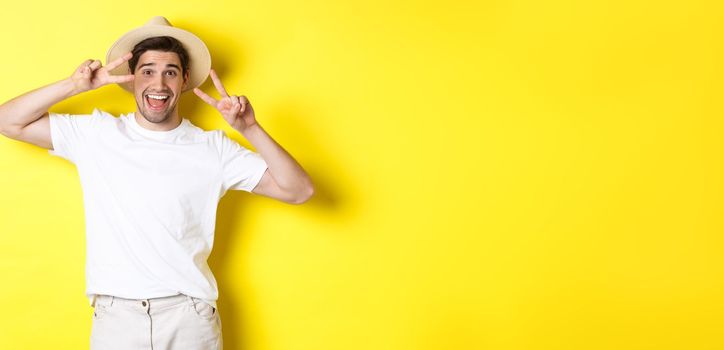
{"x":158,"y":85}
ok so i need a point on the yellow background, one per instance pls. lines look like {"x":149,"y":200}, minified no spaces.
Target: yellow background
{"x":490,"y":174}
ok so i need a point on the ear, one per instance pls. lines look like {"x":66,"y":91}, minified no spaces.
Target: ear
{"x":186,"y":80}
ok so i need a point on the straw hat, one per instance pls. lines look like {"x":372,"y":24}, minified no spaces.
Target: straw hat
{"x":199,"y":57}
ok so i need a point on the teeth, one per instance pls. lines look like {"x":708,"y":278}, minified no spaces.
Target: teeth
{"x":157,"y":97}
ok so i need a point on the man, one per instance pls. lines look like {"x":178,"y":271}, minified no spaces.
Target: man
{"x":151,"y":184}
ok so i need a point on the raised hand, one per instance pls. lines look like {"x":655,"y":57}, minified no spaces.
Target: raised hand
{"x":91,"y":74}
{"x":236,"y":110}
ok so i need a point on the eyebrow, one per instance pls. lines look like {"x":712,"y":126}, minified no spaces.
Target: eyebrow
{"x":171,"y":65}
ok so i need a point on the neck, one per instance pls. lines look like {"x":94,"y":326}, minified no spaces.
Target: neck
{"x":169,"y":124}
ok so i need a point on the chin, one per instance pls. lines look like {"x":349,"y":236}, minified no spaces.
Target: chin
{"x":157,"y":119}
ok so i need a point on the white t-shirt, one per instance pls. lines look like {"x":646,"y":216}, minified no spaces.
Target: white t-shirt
{"x":150,"y":200}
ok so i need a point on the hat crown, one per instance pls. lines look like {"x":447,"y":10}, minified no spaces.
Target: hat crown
{"x":159,"y":21}
{"x":199,"y":57}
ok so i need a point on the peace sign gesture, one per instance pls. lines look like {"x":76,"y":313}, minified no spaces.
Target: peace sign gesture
{"x":91,"y":75}
{"x":236,"y":110}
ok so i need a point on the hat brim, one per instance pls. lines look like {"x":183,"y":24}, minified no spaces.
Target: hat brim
{"x":199,"y":57}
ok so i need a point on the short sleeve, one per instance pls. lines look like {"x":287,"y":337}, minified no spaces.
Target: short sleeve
{"x":69,"y":133}
{"x":242,"y":169}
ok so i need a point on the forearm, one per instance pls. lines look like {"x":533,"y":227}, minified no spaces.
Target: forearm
{"x":285,"y":170}
{"x":29,"y":107}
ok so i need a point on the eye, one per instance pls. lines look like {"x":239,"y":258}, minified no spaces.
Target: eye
{"x":171,"y":73}
{"x":146,"y":72}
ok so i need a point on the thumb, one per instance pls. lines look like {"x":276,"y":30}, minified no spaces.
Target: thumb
{"x":82,"y":69}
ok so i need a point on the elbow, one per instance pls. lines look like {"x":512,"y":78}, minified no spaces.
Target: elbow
{"x":6,"y":130}
{"x":10,"y":132}
{"x":303,"y":195}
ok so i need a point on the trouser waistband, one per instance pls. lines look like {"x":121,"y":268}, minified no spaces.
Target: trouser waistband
{"x":146,"y":304}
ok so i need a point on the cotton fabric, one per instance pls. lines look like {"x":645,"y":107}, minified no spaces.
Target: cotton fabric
{"x":177,"y":322}
{"x":150,"y":201}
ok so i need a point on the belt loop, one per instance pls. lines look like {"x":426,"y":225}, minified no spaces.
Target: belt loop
{"x":190,"y":299}
{"x":112,"y":298}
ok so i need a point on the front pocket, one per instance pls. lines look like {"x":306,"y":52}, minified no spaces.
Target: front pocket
{"x":99,"y":311}
{"x":204,"y":310}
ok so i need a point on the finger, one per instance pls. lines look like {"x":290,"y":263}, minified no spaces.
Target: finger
{"x":218,"y":84}
{"x":244,"y":102}
{"x":233,"y":110}
{"x":85,"y":63}
{"x":208,"y":99}
{"x":83,"y":68}
{"x":227,"y":102}
{"x":235,"y":103}
{"x":121,"y":78}
{"x":95,"y":65}
{"x":118,"y":61}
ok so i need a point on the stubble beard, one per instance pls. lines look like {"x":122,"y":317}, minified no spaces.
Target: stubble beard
{"x":154,"y":117}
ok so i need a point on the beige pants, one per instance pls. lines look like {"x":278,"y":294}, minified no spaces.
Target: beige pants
{"x":176,"y":322}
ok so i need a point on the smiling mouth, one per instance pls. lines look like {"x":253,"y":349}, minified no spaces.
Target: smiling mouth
{"x":157,"y":102}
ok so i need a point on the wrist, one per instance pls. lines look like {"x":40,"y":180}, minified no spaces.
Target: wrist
{"x":69,"y":87}
{"x":250,"y":130}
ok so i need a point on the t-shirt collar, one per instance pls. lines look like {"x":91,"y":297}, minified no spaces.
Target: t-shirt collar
{"x":152,"y":133}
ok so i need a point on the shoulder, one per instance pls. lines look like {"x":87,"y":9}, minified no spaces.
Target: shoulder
{"x":219,"y":137}
{"x":92,"y":119}
{"x":102,"y":115}
{"x":211,"y":137}
{"x":99,"y":116}
{"x":222,"y":143}
{"x":99,"y":113}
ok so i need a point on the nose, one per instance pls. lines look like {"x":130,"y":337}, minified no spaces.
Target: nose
{"x":157,"y":82}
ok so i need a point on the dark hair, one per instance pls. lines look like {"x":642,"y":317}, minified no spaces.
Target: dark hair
{"x":160,"y":43}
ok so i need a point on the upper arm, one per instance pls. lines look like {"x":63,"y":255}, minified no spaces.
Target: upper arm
{"x":36,"y":133}
{"x":246,"y":170}
{"x":268,"y":187}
